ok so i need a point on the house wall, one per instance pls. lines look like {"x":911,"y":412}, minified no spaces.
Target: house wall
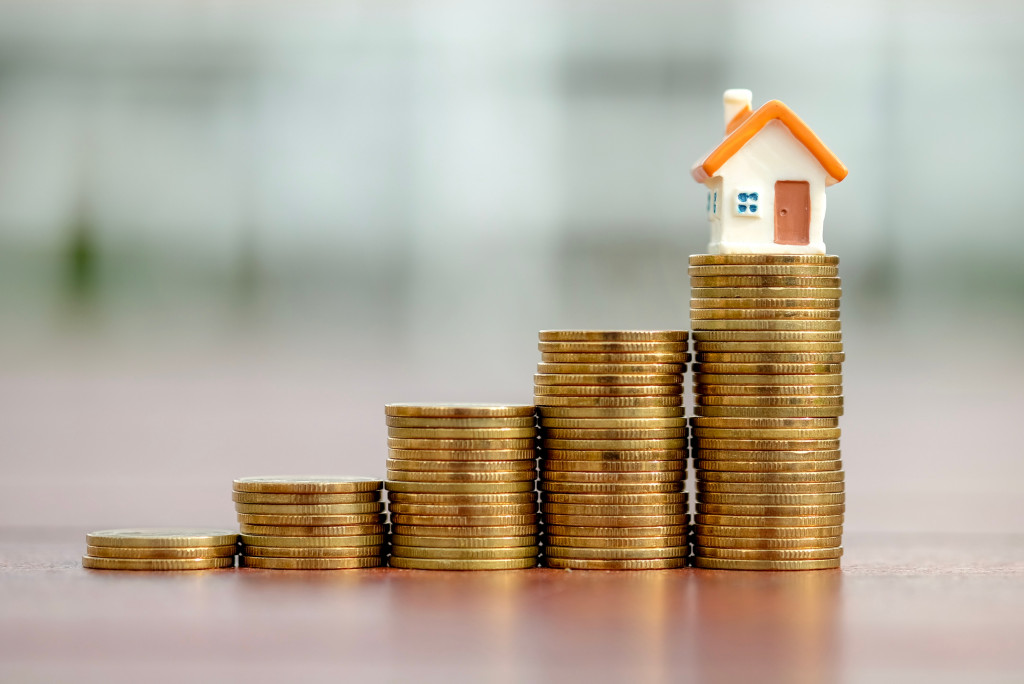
{"x":771,"y":155}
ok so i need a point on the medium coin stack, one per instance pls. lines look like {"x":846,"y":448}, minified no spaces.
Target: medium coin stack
{"x":160,"y":549}
{"x":462,"y":482}
{"x":768,"y":394}
{"x":613,"y":448}
{"x":311,"y":522}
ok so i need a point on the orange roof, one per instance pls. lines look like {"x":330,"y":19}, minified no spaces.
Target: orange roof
{"x":745,"y":125}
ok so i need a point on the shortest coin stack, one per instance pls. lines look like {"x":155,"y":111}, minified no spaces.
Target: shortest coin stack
{"x":311,"y":522}
{"x":160,"y":549}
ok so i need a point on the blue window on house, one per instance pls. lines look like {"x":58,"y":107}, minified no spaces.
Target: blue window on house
{"x":714,"y":205}
{"x":747,"y":203}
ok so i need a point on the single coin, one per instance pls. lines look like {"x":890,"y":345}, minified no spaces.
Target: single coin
{"x":300,"y":531}
{"x":768,"y":411}
{"x":615,"y":542}
{"x":770,"y":467}
{"x":616,"y":487}
{"x":704,"y":337}
{"x":459,"y":410}
{"x":617,"y":520}
{"x":769,"y":390}
{"x":703,"y":433}
{"x":609,"y":402}
{"x":594,"y":380}
{"x":314,"y":542}
{"x":733,"y":564}
{"x":413,"y":422}
{"x":312,"y":551}
{"x":307,"y":484}
{"x":464,"y":454}
{"x":494,"y":476}
{"x":701,"y":443}
{"x":768,"y":347}
{"x":612,"y":478}
{"x":676,"y":551}
{"x":770,"y":357}
{"x":613,"y":455}
{"x":766,"y":292}
{"x":612,"y":466}
{"x":599,"y":347}
{"x":461,"y":487}
{"x":613,"y":433}
{"x":770,"y":499}
{"x":311,"y":563}
{"x":466,"y":520}
{"x":767,"y":544}
{"x":499,"y":553}
{"x":150,"y":537}
{"x":768,"y":533}
{"x":764,"y":510}
{"x":790,"y":401}
{"x":765,"y":259}
{"x":764,"y":303}
{"x":833,"y":474}
{"x":765,"y":379}
{"x":613,"y":509}
{"x":653,"y":358}
{"x":307,"y":499}
{"x":769,"y":521}
{"x":738,"y":455}
{"x":659,"y":369}
{"x":157,"y":563}
{"x":161,"y":552}
{"x":459,"y":564}
{"x":613,"y":423}
{"x":615,"y":444}
{"x":441,"y":509}
{"x":771,"y":487}
{"x":457,"y":444}
{"x":761,"y":369}
{"x":468,"y":532}
{"x":778,"y":270}
{"x":413,"y":465}
{"x":622,"y":412}
{"x":623,"y":499}
{"x":763,"y":281}
{"x":311,"y":509}
{"x":613,"y":335}
{"x":607,"y":390}
{"x":778,"y":324}
{"x":309,"y":520}
{"x":615,"y":535}
{"x":769,"y":423}
{"x":462,"y":433}
{"x":464,"y":542}
{"x":463,"y":499}
{"x":768,"y":554}
{"x":635,"y":564}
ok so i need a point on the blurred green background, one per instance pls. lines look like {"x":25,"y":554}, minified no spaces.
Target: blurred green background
{"x":230,"y":231}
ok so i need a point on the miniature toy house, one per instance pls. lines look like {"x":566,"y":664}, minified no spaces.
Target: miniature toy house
{"x":766,"y":181}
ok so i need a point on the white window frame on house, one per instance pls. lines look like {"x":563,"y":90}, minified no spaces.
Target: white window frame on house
{"x":748,"y":203}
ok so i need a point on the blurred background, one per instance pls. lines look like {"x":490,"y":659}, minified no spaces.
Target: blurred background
{"x":230,"y":231}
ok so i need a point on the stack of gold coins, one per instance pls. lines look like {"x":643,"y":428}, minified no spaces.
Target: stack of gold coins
{"x":311,"y":522}
{"x":462,"y":486}
{"x":160,"y":549}
{"x":613,"y":448}
{"x":768,"y":394}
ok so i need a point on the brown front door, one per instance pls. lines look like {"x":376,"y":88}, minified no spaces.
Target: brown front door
{"x":792,"y":212}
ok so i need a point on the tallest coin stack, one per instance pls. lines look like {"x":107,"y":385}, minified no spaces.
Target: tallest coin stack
{"x":768,"y":395}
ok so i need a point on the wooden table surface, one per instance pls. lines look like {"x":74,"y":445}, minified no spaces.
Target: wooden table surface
{"x":919,"y":608}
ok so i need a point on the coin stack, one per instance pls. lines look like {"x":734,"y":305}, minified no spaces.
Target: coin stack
{"x":768,"y":394}
{"x":160,"y":549}
{"x":462,"y":486}
{"x":613,"y":448}
{"x":311,"y":522}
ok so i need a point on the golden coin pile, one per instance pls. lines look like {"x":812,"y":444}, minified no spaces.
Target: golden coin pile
{"x":613,"y":448}
{"x":768,"y":394}
{"x":462,"y":486}
{"x":311,"y":522}
{"x":160,"y":549}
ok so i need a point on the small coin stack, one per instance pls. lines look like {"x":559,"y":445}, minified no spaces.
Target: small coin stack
{"x":613,"y":448}
{"x":160,"y":549}
{"x":768,"y":394}
{"x":311,"y":522}
{"x":462,"y":486}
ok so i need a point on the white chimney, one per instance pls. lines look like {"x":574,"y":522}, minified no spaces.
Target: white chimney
{"x":736,"y":100}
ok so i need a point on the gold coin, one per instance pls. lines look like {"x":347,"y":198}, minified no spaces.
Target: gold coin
{"x":767,"y":544}
{"x":768,"y":347}
{"x":442,"y":509}
{"x":768,"y":554}
{"x":615,"y":542}
{"x":594,"y":380}
{"x":765,"y":259}
{"x":777,"y":270}
{"x":768,"y":533}
{"x":494,"y":476}
{"x":612,"y":509}
{"x":766,"y":292}
{"x":157,"y":563}
{"x":308,"y":499}
{"x":459,"y":410}
{"x":771,"y":487}
{"x":701,"y":443}
{"x":464,"y":454}
{"x":652,"y":358}
{"x":769,"y":467}
{"x":458,"y":564}
{"x":599,"y":347}
{"x":461,"y":487}
{"x":770,"y":358}
{"x":311,"y":520}
{"x":173,"y":537}
{"x":658,"y":369}
{"x":613,"y":335}
{"x":161,"y":552}
{"x":613,"y":455}
{"x":463,"y":499}
{"x":769,"y":521}
{"x":770,"y":499}
{"x":676,"y":551}
{"x":608,"y":487}
{"x":613,"y":433}
{"x":631,"y":413}
{"x":769,"y":411}
{"x":623,"y":499}
{"x":465,"y":520}
{"x":750,"y":324}
{"x":612,"y":466}
{"x":613,"y":423}
{"x":311,"y":563}
{"x":614,"y":535}
{"x":467,"y":532}
{"x":616,"y":444}
{"x":614,"y":478}
{"x":460,"y":444}
{"x":737,"y":336}
{"x":299,"y":531}
{"x":763,"y":281}
{"x":410,"y":465}
{"x":732,"y":564}
{"x":498,"y":553}
{"x":312,"y":551}
{"x":756,"y":379}
{"x":799,"y":401}
{"x":768,"y":368}
{"x":307,"y":484}
{"x":606,"y":390}
{"x":634,"y":564}
{"x":311,"y":509}
{"x":314,"y":542}
{"x":830,"y":473}
{"x":465,"y":542}
{"x":617,"y":520}
{"x":769,"y":423}
{"x":609,"y":402}
{"x":764,"y":433}
{"x":765,"y":303}
{"x":765,"y":510}
{"x":737,"y":455}
{"x":476,"y":423}
{"x":462,"y":433}
{"x":770,"y":390}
